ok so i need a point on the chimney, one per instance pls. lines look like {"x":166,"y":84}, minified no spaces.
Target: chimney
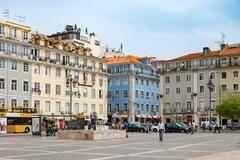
{"x":223,"y":46}
{"x":205,"y":50}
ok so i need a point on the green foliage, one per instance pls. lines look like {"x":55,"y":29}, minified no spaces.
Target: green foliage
{"x":230,"y":107}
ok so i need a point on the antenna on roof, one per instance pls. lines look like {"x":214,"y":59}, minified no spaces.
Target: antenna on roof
{"x":6,"y":14}
{"x":20,"y":19}
{"x":222,"y":40}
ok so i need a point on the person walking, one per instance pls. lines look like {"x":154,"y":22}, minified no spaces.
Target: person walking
{"x":161,"y":129}
{"x":216,"y":127}
{"x":204,"y":126}
{"x":147,"y":127}
{"x":193,"y":127}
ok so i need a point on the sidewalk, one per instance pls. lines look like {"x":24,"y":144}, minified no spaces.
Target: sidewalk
{"x":232,"y":155}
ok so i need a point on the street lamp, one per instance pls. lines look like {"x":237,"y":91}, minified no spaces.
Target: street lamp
{"x":210,"y":86}
{"x":70,"y":81}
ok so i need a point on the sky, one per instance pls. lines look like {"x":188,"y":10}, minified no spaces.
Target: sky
{"x":159,"y":28}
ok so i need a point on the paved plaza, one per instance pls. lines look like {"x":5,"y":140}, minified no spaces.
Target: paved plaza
{"x":138,"y":146}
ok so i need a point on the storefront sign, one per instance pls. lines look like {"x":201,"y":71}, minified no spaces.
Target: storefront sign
{"x":3,"y":125}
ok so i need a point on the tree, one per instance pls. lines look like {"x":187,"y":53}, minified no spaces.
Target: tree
{"x":230,"y":107}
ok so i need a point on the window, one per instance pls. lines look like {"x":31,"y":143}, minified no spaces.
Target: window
{"x":58,"y":59}
{"x":152,"y":108}
{"x":76,"y":60}
{"x":93,"y":93}
{"x":2,"y":46}
{"x":101,"y":81}
{"x":85,"y":63}
{"x":224,"y":75}
{"x":25,"y":51}
{"x":125,"y":69}
{"x":167,"y":79}
{"x":25,"y":67}
{"x":58,"y":72}
{"x":117,"y":81}
{"x":25,"y":35}
{"x":117,"y":69}
{"x":167,"y":66}
{"x":47,"y":106}
{"x":152,"y":96}
{"x":25,"y":103}
{"x":47,"y":88}
{"x":189,"y":106}
{"x":109,"y":107}
{"x":142,"y":82}
{"x":125,"y":107}
{"x":158,"y":96}
{"x":157,"y":84}
{"x":93,"y":64}
{"x":147,"y":95}
{"x":13,"y":102}
{"x":157,"y":108}
{"x":136,"y":93}
{"x":109,"y":94}
{"x":178,"y":107}
{"x":152,"y":83}
{"x":14,"y":49}
{"x":117,"y":108}
{"x":167,"y":91}
{"x":235,"y":87}
{"x":100,"y":93}
{"x":201,"y":76}
{"x":224,"y":62}
{"x":2,"y":101}
{"x":100,"y":65}
{"x":189,"y":90}
{"x":188,"y":77}
{"x":212,"y":75}
{"x":25,"y":86}
{"x":142,"y":107}
{"x":37,"y":69}
{"x":224,"y":87}
{"x":93,"y":107}
{"x":125,"y":81}
{"x":67,"y":108}
{"x":58,"y":89}
{"x":201,"y":63}
{"x":202,"y":107}
{"x":2,"y":63}
{"x":213,"y":62}
{"x":37,"y":105}
{"x":117,"y":94}
{"x":235,"y":73}
{"x":142,"y":94}
{"x":125,"y":93}
{"x":85,"y":92}
{"x":109,"y":82}
{"x":201,"y":89}
{"x":14,"y":85}
{"x":85,"y":108}
{"x":1,"y":30}
{"x":37,"y":85}
{"x":136,"y":80}
{"x":188,"y":64}
{"x":14,"y":65}
{"x":178,"y":90}
{"x":58,"y":107}
{"x":2,"y":83}
{"x":147,"y":82}
{"x":178,"y":78}
{"x":48,"y":70}
{"x":147,"y":107}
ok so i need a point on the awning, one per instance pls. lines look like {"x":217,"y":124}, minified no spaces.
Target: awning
{"x":156,"y":117}
{"x":138,"y":115}
{"x":143,"y":116}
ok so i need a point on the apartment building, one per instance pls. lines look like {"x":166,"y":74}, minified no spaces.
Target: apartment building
{"x":184,"y":80}
{"x":133,"y":89}
{"x":35,"y":69}
{"x":81,"y":37}
{"x":15,"y":68}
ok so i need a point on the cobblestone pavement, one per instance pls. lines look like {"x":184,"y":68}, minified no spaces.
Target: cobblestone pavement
{"x":138,"y":146}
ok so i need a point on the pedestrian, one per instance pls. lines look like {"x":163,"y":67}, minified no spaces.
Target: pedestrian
{"x":216,"y":127}
{"x":193,"y":126}
{"x":147,"y":127}
{"x":204,"y":126}
{"x":161,"y":129}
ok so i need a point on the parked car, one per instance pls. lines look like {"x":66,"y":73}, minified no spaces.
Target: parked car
{"x":175,"y":127}
{"x":212,"y":125}
{"x":235,"y":125}
{"x":155,"y":128}
{"x":136,"y":127}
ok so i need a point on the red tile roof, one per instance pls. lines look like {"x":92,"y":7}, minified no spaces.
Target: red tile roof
{"x":120,"y":60}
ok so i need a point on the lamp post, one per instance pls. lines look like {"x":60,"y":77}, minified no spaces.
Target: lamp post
{"x":70,"y":81}
{"x":210,"y":87}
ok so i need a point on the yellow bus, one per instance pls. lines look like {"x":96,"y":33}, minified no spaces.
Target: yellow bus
{"x":19,"y":118}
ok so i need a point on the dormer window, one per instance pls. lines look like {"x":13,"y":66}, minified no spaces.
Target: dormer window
{"x":25,"y":35}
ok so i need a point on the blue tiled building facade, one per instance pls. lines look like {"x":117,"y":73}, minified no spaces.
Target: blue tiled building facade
{"x":133,"y":89}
